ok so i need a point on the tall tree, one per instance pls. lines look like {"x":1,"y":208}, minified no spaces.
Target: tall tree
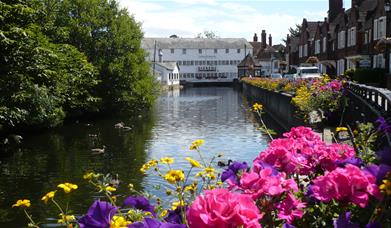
{"x":111,"y":39}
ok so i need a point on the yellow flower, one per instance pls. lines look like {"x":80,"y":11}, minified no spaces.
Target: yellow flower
{"x":386,"y":187}
{"x":341,"y":129}
{"x":22,"y":203}
{"x":88,"y":176}
{"x":110,"y":189}
{"x":174,"y":205}
{"x":48,"y":196}
{"x":148,"y":165}
{"x":257,"y":107}
{"x":168,"y":192}
{"x":167,"y":160}
{"x":209,"y":170}
{"x":163,"y":213}
{"x":193,"y":163}
{"x":119,"y":222}
{"x":68,"y":187}
{"x":174,"y":176}
{"x":114,"y":198}
{"x":191,"y":188}
{"x":66,"y":218}
{"x":196,"y":144}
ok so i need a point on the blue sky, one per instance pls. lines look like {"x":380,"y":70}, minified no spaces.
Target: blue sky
{"x":227,"y":18}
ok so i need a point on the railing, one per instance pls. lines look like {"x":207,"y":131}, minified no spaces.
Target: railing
{"x":378,"y":98}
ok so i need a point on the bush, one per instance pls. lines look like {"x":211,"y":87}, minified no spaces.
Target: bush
{"x":366,"y":76}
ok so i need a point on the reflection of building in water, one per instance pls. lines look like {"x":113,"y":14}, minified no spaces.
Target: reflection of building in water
{"x":199,"y":59}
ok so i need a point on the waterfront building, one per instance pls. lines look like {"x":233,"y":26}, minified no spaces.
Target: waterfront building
{"x":200,"y":60}
{"x":167,"y":73}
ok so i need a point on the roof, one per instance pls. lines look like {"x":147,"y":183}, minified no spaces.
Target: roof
{"x":167,"y":65}
{"x":368,"y":5}
{"x":195,"y":43}
{"x":249,"y":60}
{"x":312,"y":26}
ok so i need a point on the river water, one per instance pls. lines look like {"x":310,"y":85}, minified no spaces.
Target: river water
{"x":219,"y":115}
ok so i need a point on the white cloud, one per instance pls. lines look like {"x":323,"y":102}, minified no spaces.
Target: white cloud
{"x":229,"y":19}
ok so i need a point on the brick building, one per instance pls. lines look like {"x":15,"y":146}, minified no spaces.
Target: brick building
{"x":345,"y":39}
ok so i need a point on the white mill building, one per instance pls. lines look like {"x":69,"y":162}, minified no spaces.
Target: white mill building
{"x":200,"y":59}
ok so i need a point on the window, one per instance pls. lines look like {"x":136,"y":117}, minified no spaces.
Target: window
{"x":352,"y":37}
{"x":378,"y":61}
{"x":184,"y":51}
{"x":379,"y":28}
{"x":324,"y":44}
{"x":227,"y":51}
{"x":305,"y":50}
{"x":300,"y":51}
{"x":172,"y":50}
{"x":215,"y":51}
{"x":317,"y":46}
{"x":238,"y":51}
{"x":341,"y":39}
{"x":199,"y":51}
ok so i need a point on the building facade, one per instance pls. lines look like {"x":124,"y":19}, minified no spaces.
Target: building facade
{"x":265,"y":59}
{"x":200,"y":59}
{"x":346,"y":39}
{"x":166,"y":73}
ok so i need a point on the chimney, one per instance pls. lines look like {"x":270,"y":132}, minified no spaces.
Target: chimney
{"x":255,"y":38}
{"x":270,"y":40}
{"x":263,"y":39}
{"x":335,"y":7}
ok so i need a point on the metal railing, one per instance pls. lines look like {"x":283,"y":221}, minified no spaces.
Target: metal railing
{"x":378,"y":98}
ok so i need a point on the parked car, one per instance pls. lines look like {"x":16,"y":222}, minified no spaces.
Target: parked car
{"x":276,"y":75}
{"x":289,"y":76}
{"x":307,"y":72}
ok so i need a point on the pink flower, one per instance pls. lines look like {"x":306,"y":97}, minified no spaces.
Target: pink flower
{"x":349,"y":184}
{"x":265,"y":183}
{"x":223,"y":209}
{"x":290,"y":209}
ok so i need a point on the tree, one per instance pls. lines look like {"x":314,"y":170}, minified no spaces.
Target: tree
{"x":40,"y":81}
{"x":111,"y":39}
{"x":293,"y":32}
{"x":207,"y":34}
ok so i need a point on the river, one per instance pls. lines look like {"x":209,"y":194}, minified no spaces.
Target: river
{"x":219,"y":115}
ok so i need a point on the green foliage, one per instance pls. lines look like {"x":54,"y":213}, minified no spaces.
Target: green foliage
{"x":364,"y":140}
{"x":111,"y":40}
{"x":65,"y":58}
{"x":365,"y":76}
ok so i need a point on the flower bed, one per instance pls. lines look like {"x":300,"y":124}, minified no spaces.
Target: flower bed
{"x":320,"y":96}
{"x":297,"y":181}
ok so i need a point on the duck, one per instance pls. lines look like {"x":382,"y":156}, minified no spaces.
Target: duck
{"x":97,"y":151}
{"x":119,"y":125}
{"x":222,"y":164}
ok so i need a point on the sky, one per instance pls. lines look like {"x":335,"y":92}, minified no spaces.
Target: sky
{"x":226,"y":18}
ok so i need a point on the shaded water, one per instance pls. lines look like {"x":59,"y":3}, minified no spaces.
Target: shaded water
{"x":216,"y":114}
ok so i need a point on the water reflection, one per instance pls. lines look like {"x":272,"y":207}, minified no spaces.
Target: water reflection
{"x":217,"y":115}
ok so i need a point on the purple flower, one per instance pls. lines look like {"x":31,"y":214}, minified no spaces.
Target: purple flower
{"x":232,"y":171}
{"x":343,"y":221}
{"x":383,"y":125}
{"x":379,"y":171}
{"x":286,"y":225}
{"x":352,"y":160}
{"x":99,"y":215}
{"x":174,"y":216}
{"x":154,"y":223}
{"x":140,"y":203}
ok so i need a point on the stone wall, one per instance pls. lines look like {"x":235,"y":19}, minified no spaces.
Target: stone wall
{"x":277,"y":105}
